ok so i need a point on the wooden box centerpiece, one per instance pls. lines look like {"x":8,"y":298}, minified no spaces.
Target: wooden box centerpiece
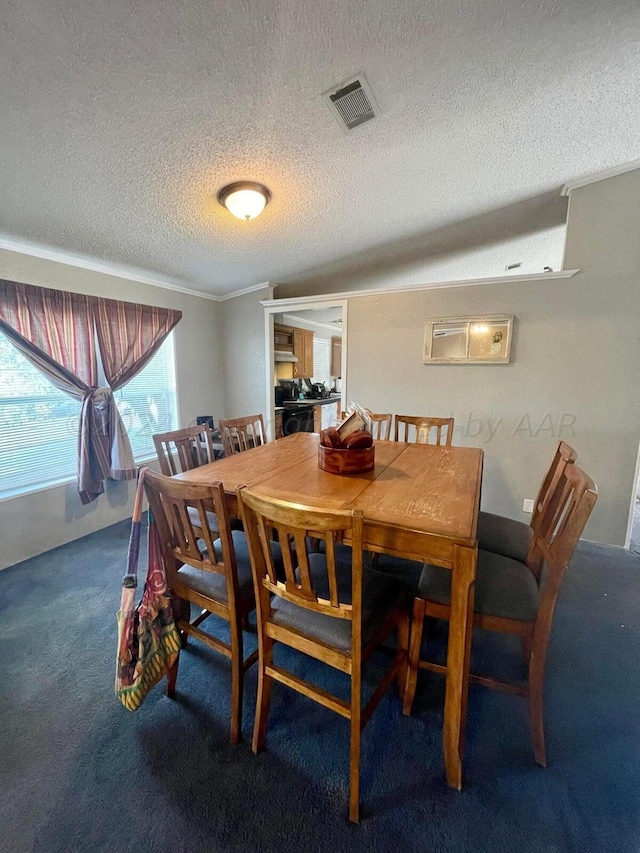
{"x":347,"y":449}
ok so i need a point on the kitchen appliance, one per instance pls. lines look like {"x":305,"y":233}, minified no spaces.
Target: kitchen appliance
{"x":281,"y":355}
{"x":286,"y":391}
{"x":297,"y":417}
{"x":319,"y":391}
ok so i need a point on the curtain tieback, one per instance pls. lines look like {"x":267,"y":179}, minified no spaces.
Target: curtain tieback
{"x":99,"y":395}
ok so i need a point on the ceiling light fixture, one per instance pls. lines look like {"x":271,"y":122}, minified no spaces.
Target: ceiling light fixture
{"x":245,"y":199}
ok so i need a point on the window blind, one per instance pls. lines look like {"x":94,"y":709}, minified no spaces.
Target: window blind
{"x":148,"y":402}
{"x":322,"y":361}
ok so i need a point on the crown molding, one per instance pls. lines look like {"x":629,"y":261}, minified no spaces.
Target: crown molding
{"x":331,"y":298}
{"x":599,"y":176}
{"x":36,"y":250}
{"x":252,"y":289}
{"x":61,"y":256}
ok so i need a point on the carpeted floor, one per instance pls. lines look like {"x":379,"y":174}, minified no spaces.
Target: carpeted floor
{"x":80,"y":773}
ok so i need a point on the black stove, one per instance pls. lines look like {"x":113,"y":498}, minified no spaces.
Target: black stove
{"x":297,"y":417}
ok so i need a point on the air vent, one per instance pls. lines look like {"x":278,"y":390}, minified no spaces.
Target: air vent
{"x":352,"y":104}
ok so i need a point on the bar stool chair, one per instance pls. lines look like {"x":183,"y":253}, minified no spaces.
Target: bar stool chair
{"x":514,"y":597}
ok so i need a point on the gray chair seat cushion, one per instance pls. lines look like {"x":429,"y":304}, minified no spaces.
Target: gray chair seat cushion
{"x":235,"y":523}
{"x":504,"y":536}
{"x":406,"y":571}
{"x":504,"y":587}
{"x":214,"y":585}
{"x":195,"y":518}
{"x":381,"y":596}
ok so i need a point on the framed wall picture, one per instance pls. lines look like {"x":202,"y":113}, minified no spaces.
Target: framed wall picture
{"x":468,"y":340}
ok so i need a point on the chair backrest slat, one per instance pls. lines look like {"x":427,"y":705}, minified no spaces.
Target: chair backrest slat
{"x":578,"y":495}
{"x":240,"y":434}
{"x":564,"y":455}
{"x":192,"y":445}
{"x":265,"y":537}
{"x":332,"y":570}
{"x":423,"y":430}
{"x":302,"y":585}
{"x":568,"y":510}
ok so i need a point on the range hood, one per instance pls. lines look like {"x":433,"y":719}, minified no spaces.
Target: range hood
{"x":279,"y":355}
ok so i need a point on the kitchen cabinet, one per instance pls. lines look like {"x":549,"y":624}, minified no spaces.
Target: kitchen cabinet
{"x":308,"y":354}
{"x":282,"y":338}
{"x":336,"y":357}
{"x":303,"y":349}
{"x":300,"y":343}
{"x":324,"y":416}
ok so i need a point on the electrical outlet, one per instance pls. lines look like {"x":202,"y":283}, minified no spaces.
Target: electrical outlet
{"x":527,"y":505}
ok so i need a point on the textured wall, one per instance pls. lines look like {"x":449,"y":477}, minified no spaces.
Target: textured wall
{"x":42,"y":520}
{"x":242,"y":331}
{"x":574,"y":370}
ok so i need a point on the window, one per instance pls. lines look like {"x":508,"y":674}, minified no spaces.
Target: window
{"x":321,"y":360}
{"x":39,"y":423}
{"x":148,"y":403}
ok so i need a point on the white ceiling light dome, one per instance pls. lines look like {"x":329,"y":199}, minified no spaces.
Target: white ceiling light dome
{"x":244,"y":199}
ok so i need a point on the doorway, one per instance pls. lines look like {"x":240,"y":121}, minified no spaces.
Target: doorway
{"x":306,"y":353}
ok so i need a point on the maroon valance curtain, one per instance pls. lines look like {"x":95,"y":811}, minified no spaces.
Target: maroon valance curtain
{"x":57,"y":332}
{"x":129,"y":335}
{"x":36,"y":321}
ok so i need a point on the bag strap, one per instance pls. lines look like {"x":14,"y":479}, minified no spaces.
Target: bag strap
{"x":130,"y":580}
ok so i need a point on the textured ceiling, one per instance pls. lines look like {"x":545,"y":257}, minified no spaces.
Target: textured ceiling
{"x":325,"y":316}
{"x":121,"y":120}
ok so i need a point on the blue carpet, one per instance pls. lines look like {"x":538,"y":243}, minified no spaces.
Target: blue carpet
{"x":78,"y":772}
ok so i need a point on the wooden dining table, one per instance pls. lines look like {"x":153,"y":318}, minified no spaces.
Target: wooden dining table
{"x":420,"y":502}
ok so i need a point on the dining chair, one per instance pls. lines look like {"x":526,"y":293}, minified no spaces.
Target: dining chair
{"x":240,"y":434}
{"x":380,"y":425}
{"x":513,"y":538}
{"x":514,"y":597}
{"x":440,"y":429}
{"x":208,"y":568}
{"x":182,"y":450}
{"x":327,"y":606}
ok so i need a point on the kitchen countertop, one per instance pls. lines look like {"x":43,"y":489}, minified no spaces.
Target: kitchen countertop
{"x":310,"y":402}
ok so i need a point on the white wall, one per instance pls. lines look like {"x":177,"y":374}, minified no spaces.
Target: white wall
{"x":243,"y":357}
{"x":42,"y":520}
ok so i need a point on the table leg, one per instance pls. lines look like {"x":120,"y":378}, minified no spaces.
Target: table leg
{"x":458,"y":654}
